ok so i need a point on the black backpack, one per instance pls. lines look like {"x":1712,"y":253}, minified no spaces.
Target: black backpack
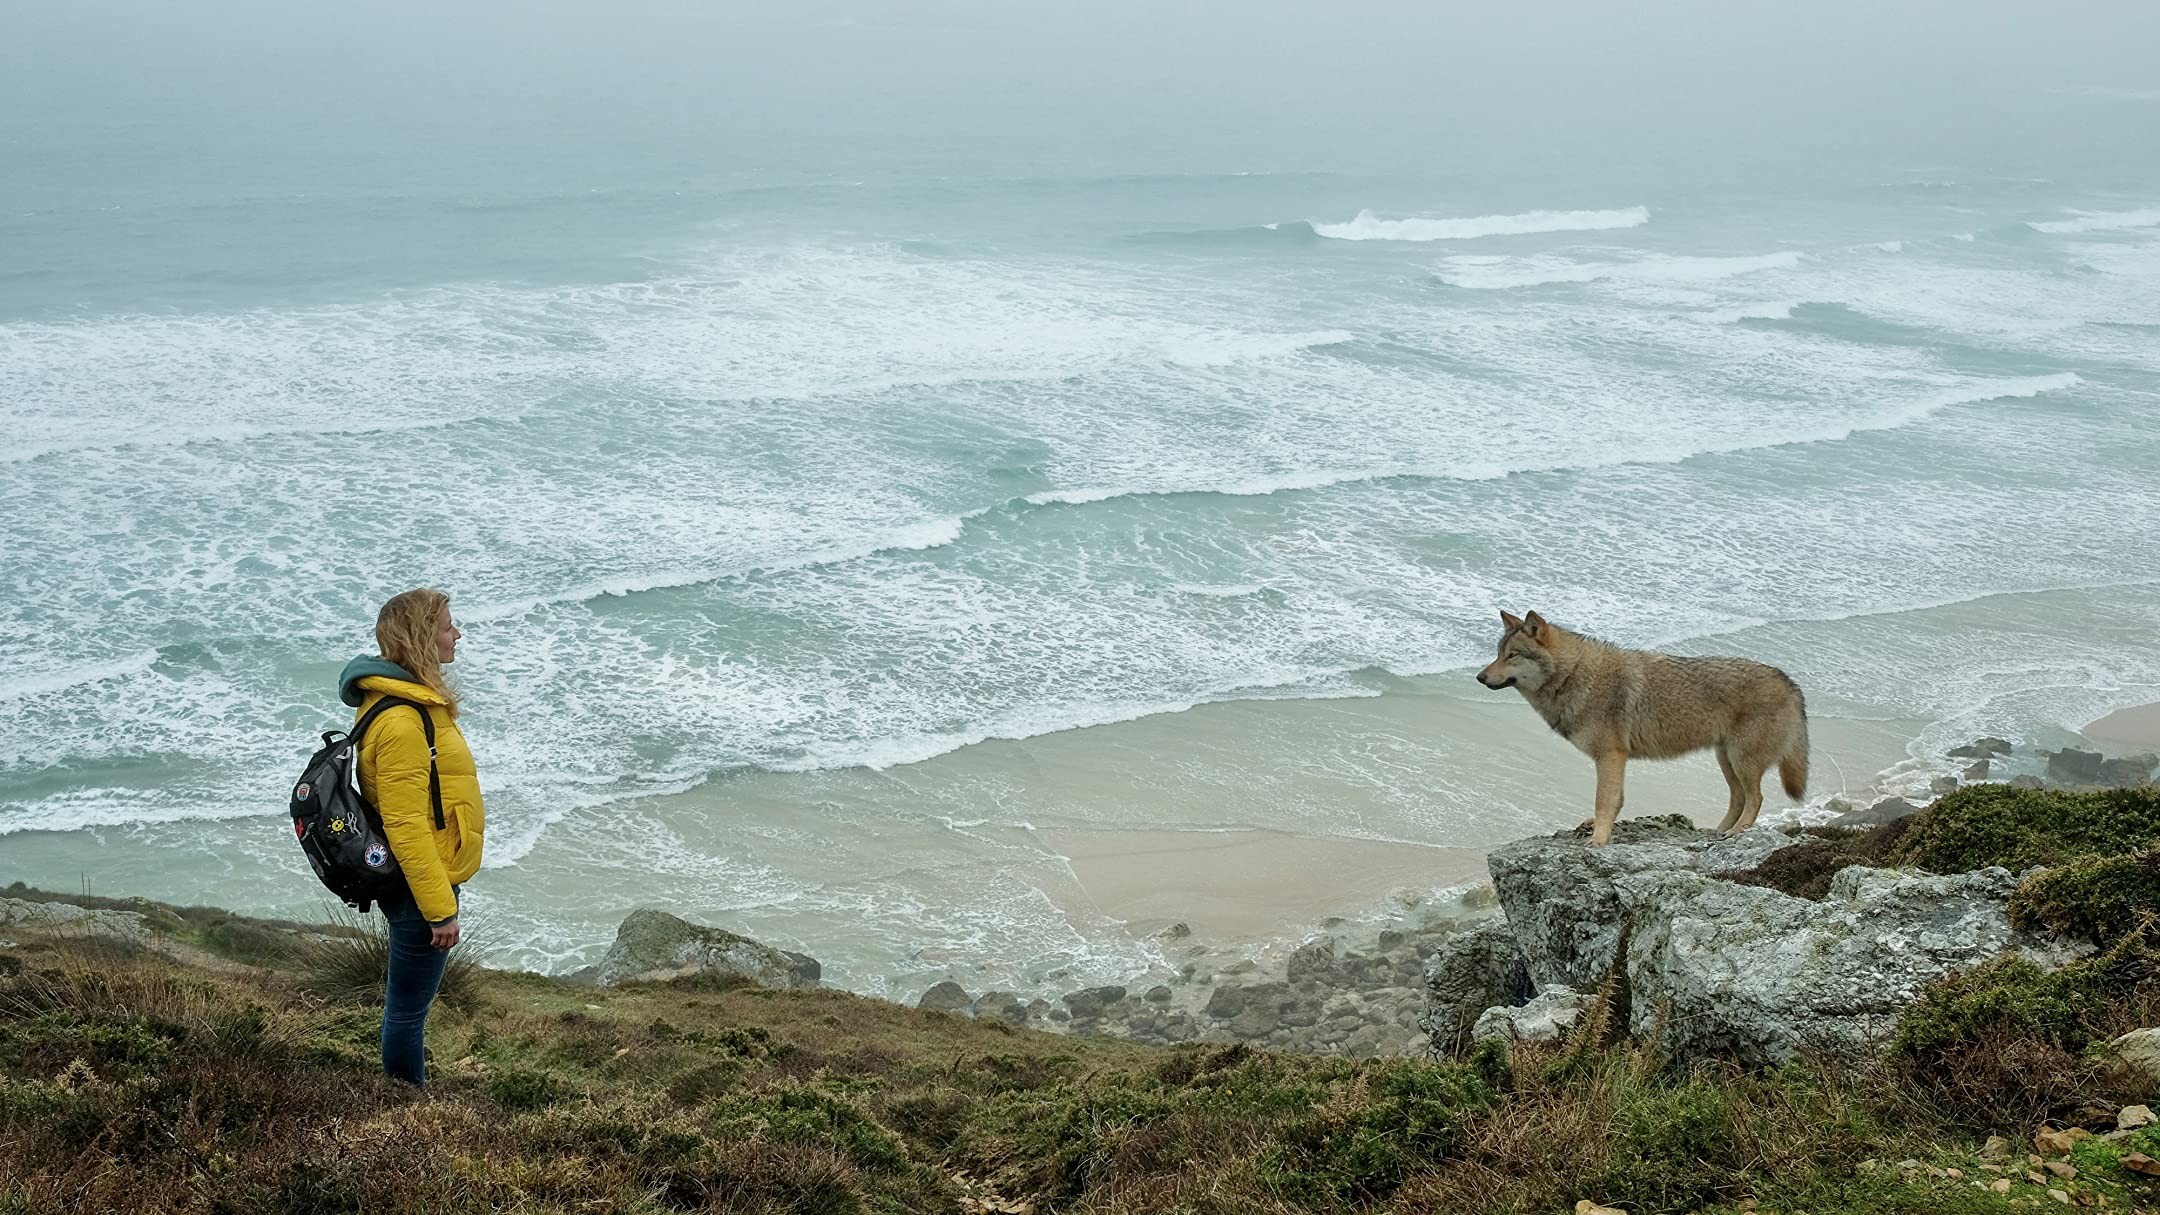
{"x":340,"y":832}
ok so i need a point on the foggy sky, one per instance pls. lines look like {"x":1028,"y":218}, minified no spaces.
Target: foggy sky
{"x":1303,"y":82}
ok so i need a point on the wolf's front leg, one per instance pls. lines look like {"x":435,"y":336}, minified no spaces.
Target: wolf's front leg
{"x":1611,"y":771}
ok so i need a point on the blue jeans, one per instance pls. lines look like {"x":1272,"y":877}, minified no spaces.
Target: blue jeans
{"x":416,"y":970}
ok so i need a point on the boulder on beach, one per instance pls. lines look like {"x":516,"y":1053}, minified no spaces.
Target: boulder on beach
{"x":652,"y":946}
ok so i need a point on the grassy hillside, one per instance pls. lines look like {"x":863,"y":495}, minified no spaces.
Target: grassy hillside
{"x":241,"y":1079}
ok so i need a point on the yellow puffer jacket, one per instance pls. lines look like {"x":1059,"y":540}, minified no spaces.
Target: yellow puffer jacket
{"x":394,"y":779}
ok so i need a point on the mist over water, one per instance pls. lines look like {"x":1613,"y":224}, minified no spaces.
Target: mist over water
{"x":783,"y":396}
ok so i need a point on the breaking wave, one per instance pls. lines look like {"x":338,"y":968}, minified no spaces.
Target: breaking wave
{"x":2098,"y":221}
{"x":1368,"y":226}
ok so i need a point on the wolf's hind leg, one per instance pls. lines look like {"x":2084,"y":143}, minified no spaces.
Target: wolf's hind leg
{"x":1752,"y":755}
{"x":1754,"y":806}
{"x":1736,"y":800}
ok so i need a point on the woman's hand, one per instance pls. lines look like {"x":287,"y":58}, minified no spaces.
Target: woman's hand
{"x":446,"y":933}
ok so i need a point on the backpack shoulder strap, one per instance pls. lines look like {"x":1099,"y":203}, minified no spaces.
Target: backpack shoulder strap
{"x":427,"y":727}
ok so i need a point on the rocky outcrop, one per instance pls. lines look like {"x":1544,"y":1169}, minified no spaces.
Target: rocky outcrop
{"x":1708,"y":966}
{"x":68,"y":918}
{"x":652,"y":946}
{"x":1561,"y":900}
{"x":1755,"y":975}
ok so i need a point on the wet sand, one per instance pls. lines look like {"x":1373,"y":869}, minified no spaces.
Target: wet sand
{"x":2136,"y":728}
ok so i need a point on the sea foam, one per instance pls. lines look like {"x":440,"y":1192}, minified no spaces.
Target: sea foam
{"x":1368,"y":226}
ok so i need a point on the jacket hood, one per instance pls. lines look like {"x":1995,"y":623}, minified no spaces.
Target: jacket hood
{"x":370,"y":666}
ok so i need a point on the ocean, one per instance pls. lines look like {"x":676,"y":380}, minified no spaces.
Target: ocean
{"x":835,"y":520}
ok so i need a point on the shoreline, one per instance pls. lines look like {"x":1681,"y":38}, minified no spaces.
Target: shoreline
{"x":1041,"y":864}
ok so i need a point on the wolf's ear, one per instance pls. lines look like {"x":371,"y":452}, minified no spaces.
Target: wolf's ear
{"x":1539,"y":630}
{"x":1510,"y":620}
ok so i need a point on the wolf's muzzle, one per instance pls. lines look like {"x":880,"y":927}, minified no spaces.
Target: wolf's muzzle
{"x":1509,"y":682}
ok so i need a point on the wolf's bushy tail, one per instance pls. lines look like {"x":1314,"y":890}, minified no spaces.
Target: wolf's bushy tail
{"x":1792,"y":768}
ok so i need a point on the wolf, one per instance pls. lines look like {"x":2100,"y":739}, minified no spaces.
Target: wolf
{"x":1616,"y":705}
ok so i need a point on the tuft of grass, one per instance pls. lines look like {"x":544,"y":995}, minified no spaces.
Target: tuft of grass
{"x":351,"y":966}
{"x":1676,"y":1146}
{"x":520,"y":1089}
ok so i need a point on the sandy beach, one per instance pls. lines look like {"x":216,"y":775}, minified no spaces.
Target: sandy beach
{"x":2137,"y":727}
{"x":1246,"y":885}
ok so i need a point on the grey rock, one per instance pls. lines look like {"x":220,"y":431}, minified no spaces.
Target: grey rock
{"x":1753,"y":975}
{"x":1480,"y":898}
{"x":1092,"y":1001}
{"x":1390,"y":938}
{"x":1227,"y":1001}
{"x":1546,"y":1018}
{"x":1562,"y":903}
{"x":1176,"y":932}
{"x":1157,"y":994}
{"x":1256,"y":1021}
{"x":2027,"y":782}
{"x":1243,"y":966}
{"x":946,"y":997}
{"x":1888,"y":810}
{"x":68,"y":918}
{"x":2074,"y":766}
{"x":653,"y":945}
{"x":1976,"y":771}
{"x":1375,"y":1040}
{"x":2133,"y":1061}
{"x":1000,"y":1006}
{"x":1470,"y":973}
{"x":2127,"y":771}
{"x":1943,"y":786}
{"x":1301,"y":1014}
{"x":1326,"y":962}
{"x":1039,"y":1008}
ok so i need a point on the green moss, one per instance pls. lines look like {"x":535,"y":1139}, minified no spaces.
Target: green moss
{"x":2100,"y":899}
{"x":1982,"y":825}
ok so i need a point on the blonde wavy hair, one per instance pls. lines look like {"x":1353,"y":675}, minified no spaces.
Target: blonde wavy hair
{"x":405,"y":633}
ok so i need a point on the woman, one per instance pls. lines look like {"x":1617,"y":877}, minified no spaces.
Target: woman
{"x":417,"y":639}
